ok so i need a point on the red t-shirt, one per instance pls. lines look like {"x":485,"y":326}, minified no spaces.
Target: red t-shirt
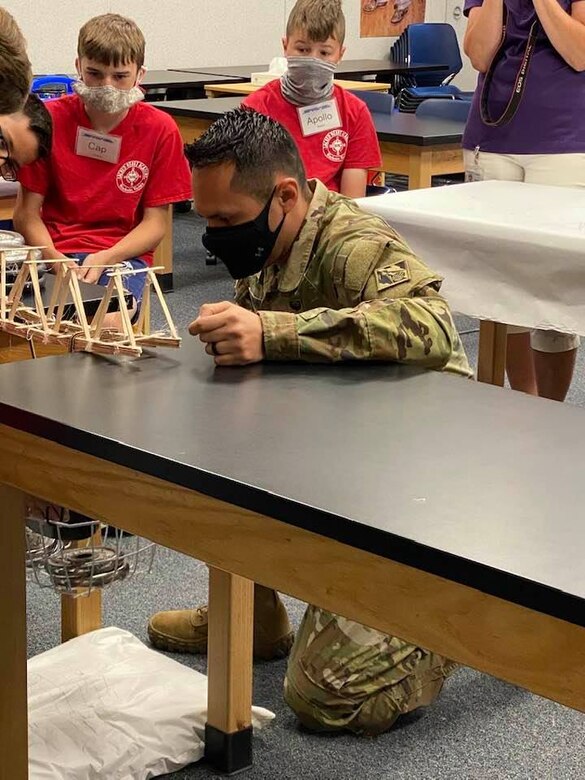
{"x":91,"y":204}
{"x":325,"y":155}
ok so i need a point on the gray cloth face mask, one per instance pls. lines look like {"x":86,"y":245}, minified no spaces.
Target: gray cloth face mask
{"x":108,"y":99}
{"x":308,"y":80}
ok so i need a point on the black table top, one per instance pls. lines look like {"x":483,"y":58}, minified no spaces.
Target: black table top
{"x":167,"y":79}
{"x":202,"y":108}
{"x":474,"y":483}
{"x":396,"y":127}
{"x":235,"y":72}
{"x":419,"y":131}
{"x":347,"y":69}
{"x":185,"y":79}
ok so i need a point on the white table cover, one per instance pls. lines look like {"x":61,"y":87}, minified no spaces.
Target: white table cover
{"x":510,"y":252}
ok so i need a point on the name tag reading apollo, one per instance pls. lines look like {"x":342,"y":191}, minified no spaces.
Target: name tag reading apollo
{"x":98,"y":146}
{"x":319,"y":117}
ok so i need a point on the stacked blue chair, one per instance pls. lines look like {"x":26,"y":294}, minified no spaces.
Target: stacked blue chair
{"x":454,"y":110}
{"x":427,"y":43}
{"x":51,"y":87}
{"x":377,"y":102}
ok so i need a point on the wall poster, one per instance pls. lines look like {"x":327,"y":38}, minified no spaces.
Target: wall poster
{"x":388,"y":18}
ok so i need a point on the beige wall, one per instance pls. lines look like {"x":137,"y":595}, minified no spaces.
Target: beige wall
{"x":183,"y":33}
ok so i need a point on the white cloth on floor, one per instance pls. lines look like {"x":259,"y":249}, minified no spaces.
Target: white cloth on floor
{"x":105,"y":706}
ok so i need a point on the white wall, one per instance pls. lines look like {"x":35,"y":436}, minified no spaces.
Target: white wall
{"x":183,"y":33}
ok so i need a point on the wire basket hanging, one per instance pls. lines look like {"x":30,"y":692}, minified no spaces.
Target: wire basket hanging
{"x":75,"y":555}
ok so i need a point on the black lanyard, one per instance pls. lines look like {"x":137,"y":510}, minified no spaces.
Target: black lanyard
{"x":519,"y":84}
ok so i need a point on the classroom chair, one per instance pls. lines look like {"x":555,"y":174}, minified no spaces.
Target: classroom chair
{"x":52,"y":86}
{"x":456,"y":110}
{"x":377,"y":102}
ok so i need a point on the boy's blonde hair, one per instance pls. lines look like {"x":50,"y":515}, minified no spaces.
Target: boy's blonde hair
{"x":317,"y":19}
{"x":111,"y":39}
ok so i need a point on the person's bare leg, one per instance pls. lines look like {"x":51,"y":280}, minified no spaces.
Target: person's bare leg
{"x":554,"y":373}
{"x":520,"y":363}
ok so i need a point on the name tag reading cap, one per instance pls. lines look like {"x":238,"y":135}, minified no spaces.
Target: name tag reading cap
{"x":98,"y":146}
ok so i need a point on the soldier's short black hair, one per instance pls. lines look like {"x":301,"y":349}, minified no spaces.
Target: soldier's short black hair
{"x":259,"y":147}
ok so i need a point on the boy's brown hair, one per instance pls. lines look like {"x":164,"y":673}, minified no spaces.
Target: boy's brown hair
{"x":318,"y":20}
{"x":15,"y":68}
{"x":111,"y":39}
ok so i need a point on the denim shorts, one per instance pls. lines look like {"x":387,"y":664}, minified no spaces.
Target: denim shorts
{"x":133,"y":283}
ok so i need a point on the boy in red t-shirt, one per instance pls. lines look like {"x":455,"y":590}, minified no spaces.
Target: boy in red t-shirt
{"x":101,"y":196}
{"x":332,"y":128}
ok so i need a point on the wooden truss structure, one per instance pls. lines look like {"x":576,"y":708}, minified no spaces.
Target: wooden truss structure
{"x":54,"y":324}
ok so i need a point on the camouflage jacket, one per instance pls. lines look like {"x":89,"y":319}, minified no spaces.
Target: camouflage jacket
{"x":351,"y":289}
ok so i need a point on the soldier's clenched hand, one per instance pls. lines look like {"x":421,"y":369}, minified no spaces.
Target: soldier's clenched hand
{"x":232,"y":334}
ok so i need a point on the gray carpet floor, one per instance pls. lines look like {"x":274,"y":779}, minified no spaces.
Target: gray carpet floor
{"x":479,"y":729}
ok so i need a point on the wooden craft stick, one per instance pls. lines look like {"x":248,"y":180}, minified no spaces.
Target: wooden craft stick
{"x":143,"y":323}
{"x":163,"y":304}
{"x":127,"y":325}
{"x":3,"y":293}
{"x":98,"y":347}
{"x":39,"y":305}
{"x":158,"y":340}
{"x":136,"y":271}
{"x":97,"y":323}
{"x":18,"y":289}
{"x":55,"y":293}
{"x":62,"y":299}
{"x":75,"y":293}
{"x":48,"y":261}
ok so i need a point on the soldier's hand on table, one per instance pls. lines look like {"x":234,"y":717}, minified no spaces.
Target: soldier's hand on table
{"x":231,"y":334}
{"x":90,"y":271}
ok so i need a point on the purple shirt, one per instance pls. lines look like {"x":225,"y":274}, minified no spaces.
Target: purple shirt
{"x":551,"y":115}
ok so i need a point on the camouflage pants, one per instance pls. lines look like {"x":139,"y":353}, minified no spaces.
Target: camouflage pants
{"x":342,"y":675}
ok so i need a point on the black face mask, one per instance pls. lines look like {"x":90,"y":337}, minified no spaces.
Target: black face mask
{"x":245,"y":248}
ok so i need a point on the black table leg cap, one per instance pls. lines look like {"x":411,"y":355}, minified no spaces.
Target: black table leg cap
{"x":229,"y":753}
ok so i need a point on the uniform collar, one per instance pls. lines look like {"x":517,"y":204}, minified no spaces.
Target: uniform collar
{"x":302,"y":249}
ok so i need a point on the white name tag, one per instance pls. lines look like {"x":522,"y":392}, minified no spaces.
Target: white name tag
{"x":319,"y":117}
{"x":98,"y":146}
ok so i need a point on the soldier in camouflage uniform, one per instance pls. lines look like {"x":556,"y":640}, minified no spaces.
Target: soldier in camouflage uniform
{"x":352,"y":289}
{"x":318,"y":280}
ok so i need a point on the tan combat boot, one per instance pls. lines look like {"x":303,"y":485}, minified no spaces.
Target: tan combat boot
{"x":185,"y":631}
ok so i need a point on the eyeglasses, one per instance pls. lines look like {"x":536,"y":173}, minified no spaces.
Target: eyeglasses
{"x":8,"y":168}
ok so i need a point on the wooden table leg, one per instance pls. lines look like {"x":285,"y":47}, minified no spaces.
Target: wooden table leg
{"x":228,"y":731}
{"x":163,"y":254}
{"x":191,"y":129}
{"x":420,"y":168}
{"x":13,"y":693}
{"x":491,"y":359}
{"x":81,"y":614}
